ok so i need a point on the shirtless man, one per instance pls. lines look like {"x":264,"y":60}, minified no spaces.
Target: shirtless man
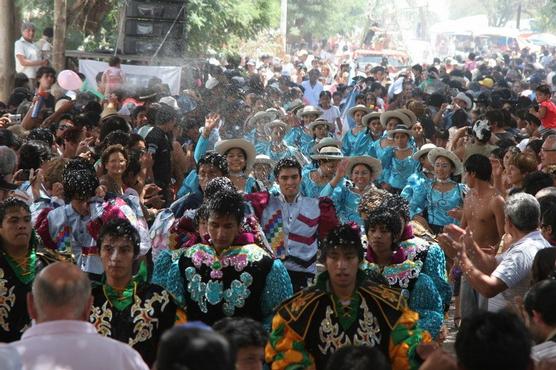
{"x":483,"y":215}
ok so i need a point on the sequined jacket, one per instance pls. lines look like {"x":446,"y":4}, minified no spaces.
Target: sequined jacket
{"x":294,"y":240}
{"x":312,"y":325}
{"x":242,"y":281}
{"x":14,"y":319}
{"x":140,"y":324}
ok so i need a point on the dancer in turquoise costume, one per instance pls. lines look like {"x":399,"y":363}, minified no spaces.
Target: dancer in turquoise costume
{"x":398,"y":160}
{"x":389,"y":120}
{"x":223,"y":278}
{"x":352,"y":136}
{"x":424,"y":173}
{"x":320,"y":129}
{"x":299,"y":136}
{"x":346,"y":194}
{"x":277,"y":148}
{"x":240,"y":155}
{"x":255,"y":130}
{"x":314,"y":180}
{"x":441,"y":197}
{"x":365,"y":145}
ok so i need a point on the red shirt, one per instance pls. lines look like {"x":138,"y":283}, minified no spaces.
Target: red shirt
{"x":549,"y":120}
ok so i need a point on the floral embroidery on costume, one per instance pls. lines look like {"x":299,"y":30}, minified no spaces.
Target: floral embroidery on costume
{"x":7,"y":302}
{"x":143,"y":316}
{"x":101,"y":318}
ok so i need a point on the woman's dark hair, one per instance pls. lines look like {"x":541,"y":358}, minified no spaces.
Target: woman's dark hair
{"x":286,"y":163}
{"x":114,"y":61}
{"x":134,"y":139}
{"x":496,"y":117}
{"x":116,"y":138}
{"x":479,"y":165}
{"x":345,"y":237}
{"x":87,"y":119}
{"x":241,"y":332}
{"x":535,"y":181}
{"x":117,"y":148}
{"x":535,"y":145}
{"x":227,"y":203}
{"x":542,"y":298}
{"x":353,"y":357}
{"x":33,"y":154}
{"x":120,"y":228}
{"x":242,"y":152}
{"x":184,"y":348}
{"x":494,"y":341}
{"x":325,"y":93}
{"x":214,"y":159}
{"x":111,"y":124}
{"x":543,"y":263}
{"x":133,"y":165}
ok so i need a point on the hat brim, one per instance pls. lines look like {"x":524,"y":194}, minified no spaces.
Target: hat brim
{"x":369,"y":117}
{"x":410,"y":114}
{"x":269,"y":126}
{"x":313,"y":124}
{"x":421,"y":152}
{"x":260,"y":116}
{"x":351,"y":111}
{"x":327,"y":157}
{"x":266,"y":161}
{"x":320,"y":144}
{"x":391,"y":133}
{"x":441,"y":152}
{"x":301,"y":113}
{"x":385,"y":117}
{"x":223,"y":146}
{"x":373,"y":163}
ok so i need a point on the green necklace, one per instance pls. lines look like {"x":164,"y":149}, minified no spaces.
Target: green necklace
{"x":25,"y":268}
{"x":120,"y":299}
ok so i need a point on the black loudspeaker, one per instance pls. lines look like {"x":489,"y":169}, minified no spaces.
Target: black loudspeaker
{"x":148,"y":23}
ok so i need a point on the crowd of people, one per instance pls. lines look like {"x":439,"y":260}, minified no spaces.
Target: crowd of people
{"x":302,"y":212}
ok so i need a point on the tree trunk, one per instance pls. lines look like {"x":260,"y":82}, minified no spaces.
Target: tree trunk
{"x":59,"y":43}
{"x":7,"y":61}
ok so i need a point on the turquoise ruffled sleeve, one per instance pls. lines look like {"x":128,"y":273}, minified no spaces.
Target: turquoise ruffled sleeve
{"x":277,"y":289}
{"x":327,"y":191}
{"x":167,"y":274}
{"x":250,"y":185}
{"x":426,"y":300}
{"x":200,"y":148}
{"x":435,"y":268}
{"x":190,"y":184}
{"x":418,"y":201}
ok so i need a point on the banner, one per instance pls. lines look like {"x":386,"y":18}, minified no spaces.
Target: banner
{"x":136,"y":75}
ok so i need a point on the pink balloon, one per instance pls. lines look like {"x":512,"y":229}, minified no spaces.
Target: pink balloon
{"x":69,"y":80}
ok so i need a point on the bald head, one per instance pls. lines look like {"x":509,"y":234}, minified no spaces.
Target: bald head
{"x":61,"y":291}
{"x":548,"y":151}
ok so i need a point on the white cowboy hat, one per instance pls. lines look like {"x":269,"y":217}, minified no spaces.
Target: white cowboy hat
{"x":261,"y":117}
{"x":373,"y":163}
{"x":329,"y":153}
{"x":351,"y":111}
{"x":308,"y":110}
{"x":441,"y":152}
{"x":321,"y":121}
{"x":276,"y":123}
{"x":410,"y":114}
{"x":224,"y":146}
{"x":327,"y":141}
{"x":370,"y":117}
{"x":465,"y":98}
{"x":263,"y":159}
{"x":403,"y":118}
{"x":425,"y":149}
{"x":400,"y":129}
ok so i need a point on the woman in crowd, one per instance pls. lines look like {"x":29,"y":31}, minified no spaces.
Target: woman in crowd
{"x":320,"y":129}
{"x":114,"y":160}
{"x":519,"y":165}
{"x":398,"y":160}
{"x":314,"y":180}
{"x":240,"y":155}
{"x":352,"y":136}
{"x":277,"y":148}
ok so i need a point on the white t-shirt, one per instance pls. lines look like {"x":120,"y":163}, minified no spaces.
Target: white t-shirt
{"x":331,"y":114}
{"x":311,"y":93}
{"x":29,"y":51}
{"x":514,"y":269}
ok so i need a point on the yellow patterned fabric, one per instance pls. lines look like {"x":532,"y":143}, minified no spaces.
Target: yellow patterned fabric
{"x":285,"y":349}
{"x":404,"y":339}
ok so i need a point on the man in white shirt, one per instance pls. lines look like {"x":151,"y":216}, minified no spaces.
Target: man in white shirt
{"x":62,"y":338}
{"x":27,"y":55}
{"x":312,"y":88}
{"x":504,"y":277}
{"x":540,"y":317}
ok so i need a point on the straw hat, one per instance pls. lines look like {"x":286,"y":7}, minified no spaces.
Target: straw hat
{"x":373,"y":163}
{"x":261,"y":116}
{"x":463,"y":97}
{"x":328,"y":153}
{"x":295,"y":105}
{"x":351,"y":111}
{"x":263,"y":159}
{"x":308,"y":110}
{"x":276,"y":123}
{"x":441,"y":152}
{"x":369,"y":117}
{"x":403,"y":118}
{"x":410,"y":114}
{"x":327,"y":141}
{"x":224,"y":145}
{"x":425,"y":149}
{"x":400,"y":129}
{"x":321,"y":121}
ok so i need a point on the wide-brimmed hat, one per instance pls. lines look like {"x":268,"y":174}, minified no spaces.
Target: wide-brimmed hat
{"x":410,"y":114}
{"x":373,"y":163}
{"x":385,"y":117}
{"x":425,"y":149}
{"x":224,"y":145}
{"x":441,"y":152}
{"x":308,"y":110}
{"x":465,"y":98}
{"x":370,"y":117}
{"x":276,"y":123}
{"x":327,"y":141}
{"x":351,"y":111}
{"x":263,"y":159}
{"x":295,"y":105}
{"x":321,"y":121}
{"x":328,"y":153}
{"x":403,"y":129}
{"x":261,"y":116}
